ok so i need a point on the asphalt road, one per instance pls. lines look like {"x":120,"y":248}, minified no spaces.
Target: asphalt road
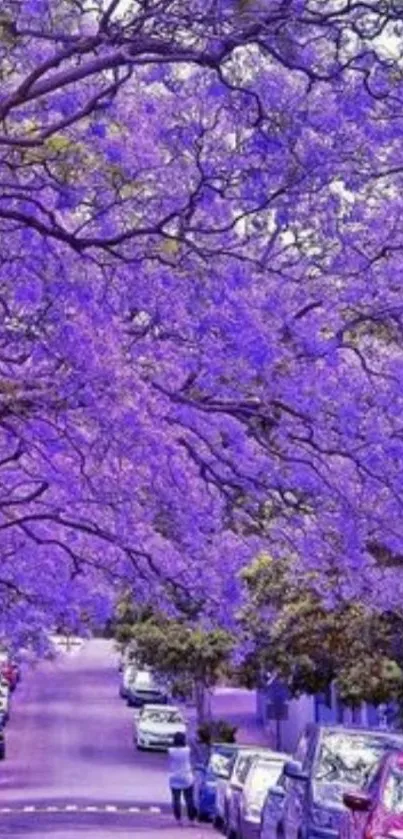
{"x":70,"y":755}
{"x":86,"y":827}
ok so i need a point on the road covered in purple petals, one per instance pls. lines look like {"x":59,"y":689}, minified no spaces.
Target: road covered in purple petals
{"x":69,"y":739}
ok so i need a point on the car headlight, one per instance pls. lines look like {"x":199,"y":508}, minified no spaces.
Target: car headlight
{"x":322,"y":817}
{"x":144,"y":733}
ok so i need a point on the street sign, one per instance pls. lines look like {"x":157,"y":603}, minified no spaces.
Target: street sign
{"x":277,"y":711}
{"x":278,"y":692}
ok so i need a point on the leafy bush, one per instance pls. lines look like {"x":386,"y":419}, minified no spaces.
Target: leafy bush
{"x":216,"y":731}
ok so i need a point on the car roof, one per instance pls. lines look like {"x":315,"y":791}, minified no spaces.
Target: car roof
{"x":394,"y":758}
{"x":356,"y":729}
{"x":222,"y":744}
{"x":281,"y":757}
{"x":150,"y":707}
{"x":259,"y":751}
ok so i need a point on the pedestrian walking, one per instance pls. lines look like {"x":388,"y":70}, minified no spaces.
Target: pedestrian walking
{"x":181,"y":778}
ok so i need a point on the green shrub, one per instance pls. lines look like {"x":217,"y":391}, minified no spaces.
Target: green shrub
{"x":219,"y":731}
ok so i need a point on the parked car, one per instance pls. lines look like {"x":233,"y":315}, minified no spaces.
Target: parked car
{"x":10,"y":672}
{"x":220,"y":759}
{"x":128,"y":675}
{"x":245,"y":811}
{"x":227,"y":789}
{"x":127,"y":656}
{"x":271,"y":825}
{"x":156,"y":726}
{"x":329,"y":761}
{"x":4,"y":701}
{"x":378,"y":809}
{"x":145,"y":689}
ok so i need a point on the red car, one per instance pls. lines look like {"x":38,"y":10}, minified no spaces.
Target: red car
{"x":10,"y":672}
{"x":377,"y":811}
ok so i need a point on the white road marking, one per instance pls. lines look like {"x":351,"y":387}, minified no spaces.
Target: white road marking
{"x":75,"y":808}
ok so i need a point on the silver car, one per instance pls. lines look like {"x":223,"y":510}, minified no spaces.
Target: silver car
{"x":228,"y":791}
{"x":263,"y":775}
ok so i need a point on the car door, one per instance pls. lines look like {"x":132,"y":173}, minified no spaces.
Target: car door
{"x":235,"y":804}
{"x":273,"y":810}
{"x":357,"y":821}
{"x":240,"y":770}
{"x":295,"y":804}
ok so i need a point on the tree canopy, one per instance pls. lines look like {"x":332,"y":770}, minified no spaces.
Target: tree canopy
{"x":200,"y":300}
{"x":289,"y":632}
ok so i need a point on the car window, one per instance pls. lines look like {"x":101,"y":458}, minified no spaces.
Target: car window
{"x":392,"y":797}
{"x":348,"y":758}
{"x":302,"y":748}
{"x":373,"y":784}
{"x":145,"y":681}
{"x":261,"y":777}
{"x":221,"y":763}
{"x":241,"y":769}
{"x":162,"y":716}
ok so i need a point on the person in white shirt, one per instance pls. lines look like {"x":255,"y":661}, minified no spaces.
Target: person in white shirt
{"x":181,"y":778}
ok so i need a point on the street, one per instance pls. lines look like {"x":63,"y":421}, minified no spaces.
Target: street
{"x":70,"y":762}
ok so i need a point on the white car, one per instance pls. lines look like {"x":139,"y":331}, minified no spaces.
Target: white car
{"x":129,"y":674}
{"x":156,"y":725}
{"x":4,"y":699}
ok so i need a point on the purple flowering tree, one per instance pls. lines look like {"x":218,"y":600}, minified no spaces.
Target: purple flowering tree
{"x":200,"y":297}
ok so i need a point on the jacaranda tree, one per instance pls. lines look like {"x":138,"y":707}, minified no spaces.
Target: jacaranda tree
{"x":200,"y":297}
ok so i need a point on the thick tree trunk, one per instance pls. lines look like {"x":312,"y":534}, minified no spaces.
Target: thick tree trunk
{"x":202,"y":701}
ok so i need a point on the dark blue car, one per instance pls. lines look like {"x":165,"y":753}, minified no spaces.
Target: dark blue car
{"x":218,"y":765}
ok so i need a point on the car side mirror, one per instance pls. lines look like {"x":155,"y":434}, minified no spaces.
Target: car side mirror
{"x":293,"y":769}
{"x":277,"y":791}
{"x":357,"y":801}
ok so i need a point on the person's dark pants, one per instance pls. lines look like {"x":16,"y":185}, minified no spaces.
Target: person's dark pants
{"x":177,"y":806}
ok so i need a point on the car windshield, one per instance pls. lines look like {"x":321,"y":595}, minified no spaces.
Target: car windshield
{"x":221,"y":763}
{"x":144,"y":681}
{"x":348,"y":759}
{"x":162,"y":716}
{"x":393,"y":792}
{"x":261,"y":777}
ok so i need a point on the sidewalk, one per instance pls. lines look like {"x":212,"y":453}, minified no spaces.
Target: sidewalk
{"x":238,"y":707}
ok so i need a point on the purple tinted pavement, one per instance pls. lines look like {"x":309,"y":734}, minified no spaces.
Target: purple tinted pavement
{"x":53,"y":827}
{"x":71,"y":764}
{"x":70,"y":736}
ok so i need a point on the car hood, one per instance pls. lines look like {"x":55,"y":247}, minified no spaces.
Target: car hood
{"x":392,"y":825}
{"x":162,"y":728}
{"x":329,"y":796}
